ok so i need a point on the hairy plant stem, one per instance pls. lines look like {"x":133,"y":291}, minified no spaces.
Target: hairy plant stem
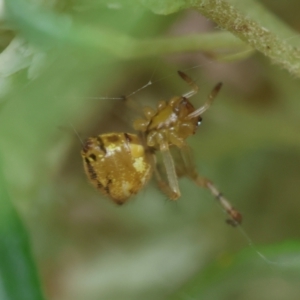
{"x":251,"y":31}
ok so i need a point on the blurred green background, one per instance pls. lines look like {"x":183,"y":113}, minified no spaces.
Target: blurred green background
{"x":60,"y":236}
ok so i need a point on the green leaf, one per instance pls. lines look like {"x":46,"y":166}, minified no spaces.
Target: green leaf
{"x":18,"y":275}
{"x":164,"y":7}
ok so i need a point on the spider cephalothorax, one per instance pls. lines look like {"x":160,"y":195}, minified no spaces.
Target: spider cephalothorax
{"x":169,"y":123}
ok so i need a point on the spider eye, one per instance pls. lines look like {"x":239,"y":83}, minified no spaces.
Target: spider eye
{"x":199,"y":121}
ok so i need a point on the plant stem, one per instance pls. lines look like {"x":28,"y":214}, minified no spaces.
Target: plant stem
{"x":126,"y":47}
{"x":251,"y":31}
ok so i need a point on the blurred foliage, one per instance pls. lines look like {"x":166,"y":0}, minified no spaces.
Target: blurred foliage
{"x":61,"y":64}
{"x":18,"y":277}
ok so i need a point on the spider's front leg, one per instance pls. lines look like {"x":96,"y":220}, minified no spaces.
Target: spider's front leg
{"x":235,"y":216}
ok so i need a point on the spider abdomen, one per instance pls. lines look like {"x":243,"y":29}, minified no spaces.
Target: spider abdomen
{"x":116,"y":164}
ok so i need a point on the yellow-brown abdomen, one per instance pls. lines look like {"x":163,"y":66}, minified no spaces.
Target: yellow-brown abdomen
{"x":116,"y":164}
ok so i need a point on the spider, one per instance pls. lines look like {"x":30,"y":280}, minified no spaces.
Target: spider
{"x":120,"y":164}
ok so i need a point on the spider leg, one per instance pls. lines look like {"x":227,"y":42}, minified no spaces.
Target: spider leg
{"x":169,"y":187}
{"x":199,"y":111}
{"x":191,"y":83}
{"x":235,"y":216}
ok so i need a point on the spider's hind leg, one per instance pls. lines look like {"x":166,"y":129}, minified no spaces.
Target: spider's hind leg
{"x":170,"y":186}
{"x":191,"y":172}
